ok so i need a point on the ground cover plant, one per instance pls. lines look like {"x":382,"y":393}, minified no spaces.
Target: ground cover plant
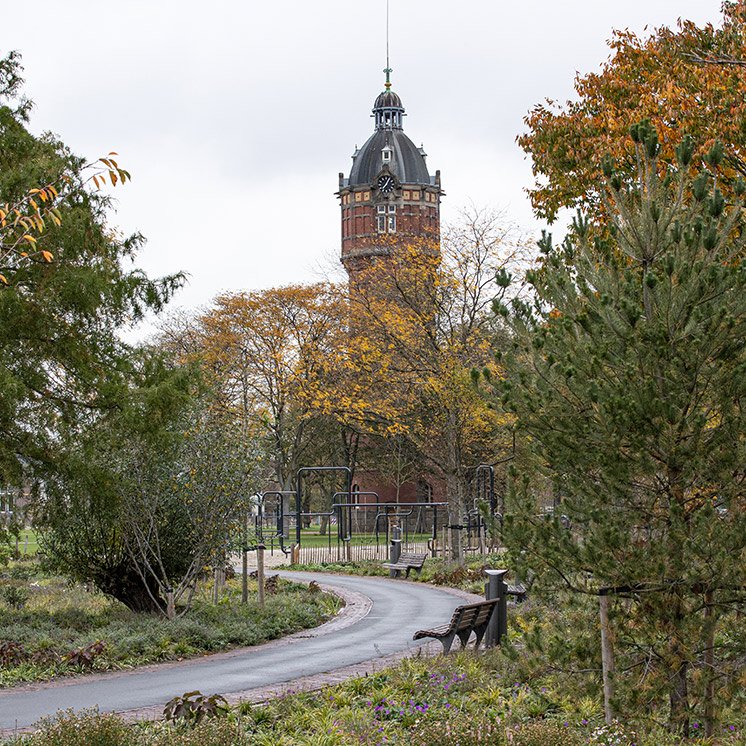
{"x":50,"y":627}
{"x":513,"y":695}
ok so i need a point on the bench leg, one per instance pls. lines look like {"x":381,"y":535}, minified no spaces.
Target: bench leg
{"x":464,"y":637}
{"x":480,"y":634}
{"x":447,"y":642}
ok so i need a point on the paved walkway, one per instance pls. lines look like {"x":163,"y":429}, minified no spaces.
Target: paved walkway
{"x":378,"y":622}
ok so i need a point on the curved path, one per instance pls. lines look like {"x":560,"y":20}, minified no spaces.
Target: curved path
{"x":380,"y":618}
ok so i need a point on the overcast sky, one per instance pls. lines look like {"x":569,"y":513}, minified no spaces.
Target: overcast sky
{"x":235,"y":118}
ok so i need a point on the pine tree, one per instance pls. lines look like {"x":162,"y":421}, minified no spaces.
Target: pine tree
{"x":628,"y":381}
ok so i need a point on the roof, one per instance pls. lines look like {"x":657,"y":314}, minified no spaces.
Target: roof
{"x":407,"y":162}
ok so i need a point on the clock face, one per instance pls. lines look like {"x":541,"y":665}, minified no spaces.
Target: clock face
{"x":386,"y":183}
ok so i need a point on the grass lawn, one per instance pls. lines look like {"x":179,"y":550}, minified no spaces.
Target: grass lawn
{"x":46,"y":625}
{"x":27,"y":544}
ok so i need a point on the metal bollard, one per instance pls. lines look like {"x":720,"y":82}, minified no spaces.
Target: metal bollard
{"x":496,"y":587}
{"x":395,"y":549}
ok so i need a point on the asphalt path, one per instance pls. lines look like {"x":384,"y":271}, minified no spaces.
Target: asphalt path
{"x":396,"y":611}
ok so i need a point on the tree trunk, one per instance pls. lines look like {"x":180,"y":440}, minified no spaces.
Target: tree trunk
{"x":125,"y":585}
{"x":679,"y":698}
{"x":607,"y":658}
{"x":710,"y":721}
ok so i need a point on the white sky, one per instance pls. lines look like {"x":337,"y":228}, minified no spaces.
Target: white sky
{"x":236,"y":117}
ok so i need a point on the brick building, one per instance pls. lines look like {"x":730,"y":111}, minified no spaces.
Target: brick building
{"x":389,"y":200}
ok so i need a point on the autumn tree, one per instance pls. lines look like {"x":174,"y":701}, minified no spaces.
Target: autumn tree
{"x":626,"y":377}
{"x":420,"y":322}
{"x":662,"y":78}
{"x":267,"y":354}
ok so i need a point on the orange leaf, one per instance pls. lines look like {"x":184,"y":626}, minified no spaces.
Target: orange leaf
{"x":48,"y":256}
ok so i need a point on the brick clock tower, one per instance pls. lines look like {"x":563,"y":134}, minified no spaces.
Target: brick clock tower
{"x":389,"y":200}
{"x":389,"y":197}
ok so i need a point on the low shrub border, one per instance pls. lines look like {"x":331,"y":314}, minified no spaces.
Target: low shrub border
{"x":49,"y":628}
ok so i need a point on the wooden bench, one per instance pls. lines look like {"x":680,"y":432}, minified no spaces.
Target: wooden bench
{"x":519,"y":591}
{"x":466,"y":619}
{"x":407,"y":561}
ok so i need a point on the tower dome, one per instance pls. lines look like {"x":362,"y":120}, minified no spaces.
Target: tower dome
{"x":389,"y":146}
{"x":389,"y":199}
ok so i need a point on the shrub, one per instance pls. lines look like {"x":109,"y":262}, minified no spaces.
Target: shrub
{"x":545,"y":733}
{"x":87,"y":728}
{"x":15,"y":596}
{"x":464,"y":731}
{"x":193,"y":707}
{"x":11,"y":653}
{"x":86,"y":656}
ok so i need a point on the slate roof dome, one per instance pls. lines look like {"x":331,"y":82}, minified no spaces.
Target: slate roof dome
{"x":403,"y":159}
{"x":388,"y":100}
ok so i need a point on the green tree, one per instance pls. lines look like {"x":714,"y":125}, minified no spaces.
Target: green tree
{"x":80,"y":515}
{"x":628,"y":381}
{"x":67,"y":288}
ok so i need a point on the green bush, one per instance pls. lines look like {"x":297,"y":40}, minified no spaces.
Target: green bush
{"x":546,"y":733}
{"x":87,"y":728}
{"x":464,"y":731}
{"x":15,"y":596}
{"x":59,"y":618}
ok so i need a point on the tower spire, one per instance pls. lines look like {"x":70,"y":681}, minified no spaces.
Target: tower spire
{"x":387,"y":70}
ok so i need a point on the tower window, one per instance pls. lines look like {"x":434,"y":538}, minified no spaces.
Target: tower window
{"x":415,"y":195}
{"x":386,"y":153}
{"x":386,"y":218}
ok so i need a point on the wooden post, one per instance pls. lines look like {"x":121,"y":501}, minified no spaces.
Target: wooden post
{"x":170,"y":606}
{"x":245,"y":563}
{"x":244,"y":576}
{"x":709,"y":708}
{"x":458,"y":547}
{"x":607,"y":656}
{"x":260,"y":573}
{"x":219,"y":580}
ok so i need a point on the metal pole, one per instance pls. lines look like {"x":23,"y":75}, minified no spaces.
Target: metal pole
{"x":297,"y":506}
{"x":260,"y":573}
{"x":395,"y":549}
{"x":496,"y":588}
